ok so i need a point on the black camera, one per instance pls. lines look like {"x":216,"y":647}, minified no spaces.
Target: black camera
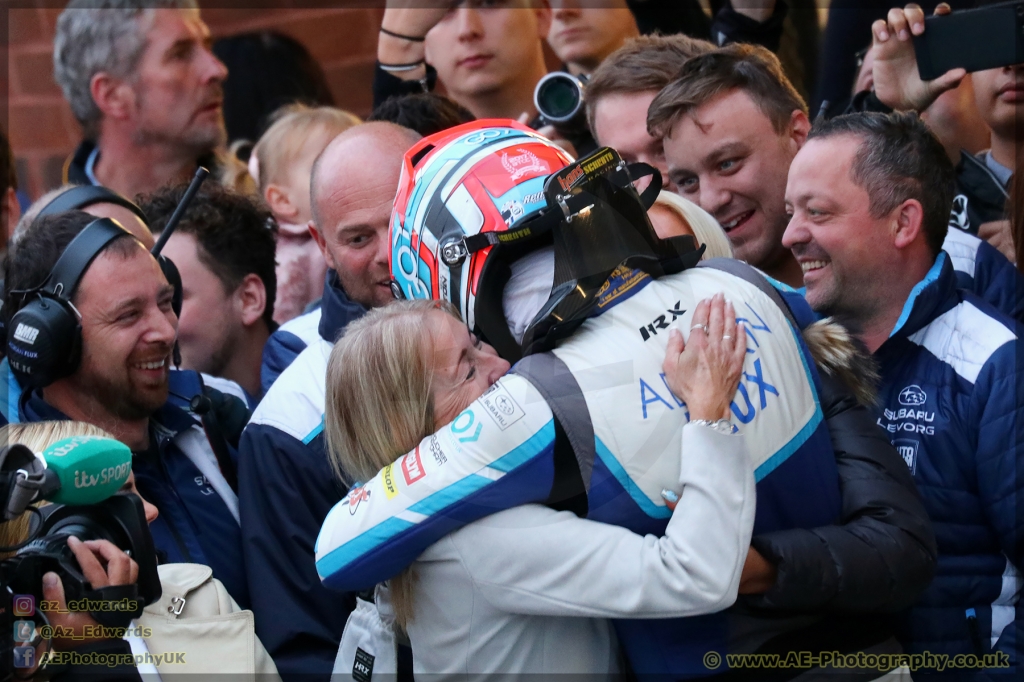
{"x":120,"y":519}
{"x":559,"y":99}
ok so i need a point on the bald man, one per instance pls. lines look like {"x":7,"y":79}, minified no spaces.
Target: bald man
{"x":352,"y":188}
{"x":286,"y":486}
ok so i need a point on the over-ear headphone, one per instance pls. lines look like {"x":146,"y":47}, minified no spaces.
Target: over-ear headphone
{"x":82,"y":196}
{"x":44,"y":337}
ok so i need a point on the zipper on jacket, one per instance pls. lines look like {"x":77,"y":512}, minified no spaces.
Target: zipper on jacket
{"x":159,"y":440}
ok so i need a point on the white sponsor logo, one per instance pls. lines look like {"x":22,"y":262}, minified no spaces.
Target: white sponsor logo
{"x":26,"y":334}
{"x":503,"y":409}
{"x":904,"y":413}
{"x":84,"y":479}
{"x":908,"y":451}
{"x":913,"y":395}
{"x":521,"y":164}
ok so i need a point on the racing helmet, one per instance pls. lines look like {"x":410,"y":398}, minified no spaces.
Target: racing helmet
{"x":474,"y":198}
{"x":480,"y":177}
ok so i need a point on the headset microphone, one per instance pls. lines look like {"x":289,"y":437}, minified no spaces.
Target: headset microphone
{"x":179,"y":211}
{"x":166,"y":264}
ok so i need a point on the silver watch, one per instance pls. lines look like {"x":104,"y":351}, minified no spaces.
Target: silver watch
{"x":722,"y":425}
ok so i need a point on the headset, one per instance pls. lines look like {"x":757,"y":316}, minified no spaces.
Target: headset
{"x":83,"y":196}
{"x":44,"y":337}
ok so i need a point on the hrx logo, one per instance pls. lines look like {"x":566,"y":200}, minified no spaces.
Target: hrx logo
{"x":662,"y":321}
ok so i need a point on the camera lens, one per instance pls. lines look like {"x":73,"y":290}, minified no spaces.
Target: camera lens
{"x":559,"y":97}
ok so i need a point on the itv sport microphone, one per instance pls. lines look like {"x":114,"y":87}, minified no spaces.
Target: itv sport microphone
{"x":89,"y":469}
{"x":81,"y":470}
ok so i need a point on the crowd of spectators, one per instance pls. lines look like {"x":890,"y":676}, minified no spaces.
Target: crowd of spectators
{"x":227,"y":350}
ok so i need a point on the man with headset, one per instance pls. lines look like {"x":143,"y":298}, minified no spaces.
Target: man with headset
{"x":91,"y":328}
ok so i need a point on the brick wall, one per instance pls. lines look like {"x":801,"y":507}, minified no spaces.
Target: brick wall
{"x":43,"y":131}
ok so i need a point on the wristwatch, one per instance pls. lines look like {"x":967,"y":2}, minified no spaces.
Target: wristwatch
{"x":722,"y":425}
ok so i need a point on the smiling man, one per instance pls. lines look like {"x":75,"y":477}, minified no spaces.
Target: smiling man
{"x":144,"y":85}
{"x":621,"y":90}
{"x":870,"y":197}
{"x":119,"y":378}
{"x":731,"y":124}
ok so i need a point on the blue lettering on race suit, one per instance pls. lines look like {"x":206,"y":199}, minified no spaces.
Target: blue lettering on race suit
{"x":753,"y":381}
{"x":646,"y":390}
{"x":750,"y":327}
{"x":463,"y":423}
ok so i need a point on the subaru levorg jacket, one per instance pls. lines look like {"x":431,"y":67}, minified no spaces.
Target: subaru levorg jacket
{"x":287,"y":487}
{"x":500,"y":452}
{"x":952,"y":402}
{"x":981,"y":268}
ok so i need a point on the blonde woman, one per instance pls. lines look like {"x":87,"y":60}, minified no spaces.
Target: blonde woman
{"x":672,"y":216}
{"x":528,"y":590}
{"x":195,"y":614}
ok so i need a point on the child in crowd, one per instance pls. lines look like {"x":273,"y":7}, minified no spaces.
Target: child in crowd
{"x":281,"y":163}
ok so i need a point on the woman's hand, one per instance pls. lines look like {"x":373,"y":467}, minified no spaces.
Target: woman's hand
{"x":705,"y":372}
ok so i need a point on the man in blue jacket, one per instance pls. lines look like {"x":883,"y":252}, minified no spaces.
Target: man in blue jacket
{"x":123,"y":382}
{"x":869,"y":196}
{"x":285,"y":481}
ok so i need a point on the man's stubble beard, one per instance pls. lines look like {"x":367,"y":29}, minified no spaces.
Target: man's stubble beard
{"x":122,"y":399}
{"x":198,"y":141}
{"x":220,"y":358}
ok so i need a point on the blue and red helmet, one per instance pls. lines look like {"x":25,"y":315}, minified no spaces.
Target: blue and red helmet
{"x":483,"y":176}
{"x":475,"y":198}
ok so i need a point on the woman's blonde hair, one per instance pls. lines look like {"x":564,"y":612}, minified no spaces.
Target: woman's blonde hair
{"x":296,"y":128}
{"x":37,"y":436}
{"x":379,"y":403}
{"x":705,"y":228}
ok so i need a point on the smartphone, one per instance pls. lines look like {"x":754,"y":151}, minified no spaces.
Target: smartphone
{"x":974,"y":39}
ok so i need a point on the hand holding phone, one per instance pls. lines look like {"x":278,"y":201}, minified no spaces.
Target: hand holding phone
{"x":896,"y":73}
{"x":974,"y":40}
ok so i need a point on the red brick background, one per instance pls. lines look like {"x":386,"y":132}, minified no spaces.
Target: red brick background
{"x":40,"y":124}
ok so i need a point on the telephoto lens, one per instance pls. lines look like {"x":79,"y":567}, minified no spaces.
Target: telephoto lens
{"x":559,"y":97}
